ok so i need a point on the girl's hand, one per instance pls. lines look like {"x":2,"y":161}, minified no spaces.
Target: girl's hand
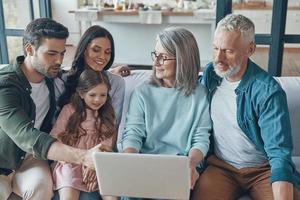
{"x":92,"y":186}
{"x":88,"y":175}
{"x":89,"y":178}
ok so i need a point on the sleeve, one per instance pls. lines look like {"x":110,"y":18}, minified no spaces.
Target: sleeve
{"x":117,"y":96}
{"x":135,"y":127}
{"x":62,"y":121}
{"x":276,"y":134}
{"x":16,"y":123}
{"x":200,"y":139}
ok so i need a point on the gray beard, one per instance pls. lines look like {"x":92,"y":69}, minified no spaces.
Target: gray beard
{"x":229,"y":73}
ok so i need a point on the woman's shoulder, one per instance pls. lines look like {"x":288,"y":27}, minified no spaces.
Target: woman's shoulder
{"x":201,"y":89}
{"x":146,"y":86}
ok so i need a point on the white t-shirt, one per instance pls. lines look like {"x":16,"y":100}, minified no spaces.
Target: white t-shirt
{"x":41,"y":99}
{"x":230,"y":142}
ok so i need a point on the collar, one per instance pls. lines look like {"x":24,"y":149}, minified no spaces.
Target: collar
{"x":248,"y":76}
{"x":17,"y":68}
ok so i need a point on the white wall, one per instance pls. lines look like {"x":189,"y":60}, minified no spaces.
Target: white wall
{"x":60,"y":13}
{"x":134,"y":42}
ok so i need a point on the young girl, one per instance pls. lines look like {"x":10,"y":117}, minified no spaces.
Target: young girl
{"x":86,"y":121}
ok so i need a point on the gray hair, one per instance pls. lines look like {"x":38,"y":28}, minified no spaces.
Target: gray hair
{"x":181,"y":43}
{"x":233,"y":22}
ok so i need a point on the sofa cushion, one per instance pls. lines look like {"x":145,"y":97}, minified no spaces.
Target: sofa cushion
{"x":291,"y":86}
{"x":136,"y":78}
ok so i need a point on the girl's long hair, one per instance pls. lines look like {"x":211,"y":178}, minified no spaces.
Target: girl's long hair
{"x":105,"y":120}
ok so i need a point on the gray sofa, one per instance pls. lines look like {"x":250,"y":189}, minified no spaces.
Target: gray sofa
{"x":291,"y":85}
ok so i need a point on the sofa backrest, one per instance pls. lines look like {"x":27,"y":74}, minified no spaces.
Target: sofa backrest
{"x":136,"y":78}
{"x":291,"y":85}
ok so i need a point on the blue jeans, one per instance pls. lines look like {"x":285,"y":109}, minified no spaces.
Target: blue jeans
{"x":83,"y":196}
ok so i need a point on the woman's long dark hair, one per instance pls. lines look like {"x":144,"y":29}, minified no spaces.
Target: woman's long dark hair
{"x":105,"y":121}
{"x":79,"y":63}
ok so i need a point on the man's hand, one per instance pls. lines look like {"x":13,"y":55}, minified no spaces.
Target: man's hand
{"x":122,"y":70}
{"x":282,"y":190}
{"x":65,"y":153}
{"x":88,"y":161}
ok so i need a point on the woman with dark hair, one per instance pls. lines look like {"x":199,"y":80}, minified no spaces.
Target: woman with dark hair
{"x":95,"y":51}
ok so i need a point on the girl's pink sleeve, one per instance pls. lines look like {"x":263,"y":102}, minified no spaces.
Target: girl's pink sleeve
{"x":62,"y":120}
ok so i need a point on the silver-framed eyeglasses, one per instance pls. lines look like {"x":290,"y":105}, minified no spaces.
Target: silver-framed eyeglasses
{"x":160,"y":58}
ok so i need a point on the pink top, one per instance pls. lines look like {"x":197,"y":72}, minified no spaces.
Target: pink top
{"x":67,"y":174}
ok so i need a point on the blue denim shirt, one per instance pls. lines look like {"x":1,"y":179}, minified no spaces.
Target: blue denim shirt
{"x":262,"y":114}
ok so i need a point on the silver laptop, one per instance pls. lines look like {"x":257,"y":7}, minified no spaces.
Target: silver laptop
{"x":143,"y":175}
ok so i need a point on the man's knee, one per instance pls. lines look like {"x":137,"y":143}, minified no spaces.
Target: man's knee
{"x":5,"y":187}
{"x":40,"y":192}
{"x":33,"y":180}
{"x":203,"y":187}
{"x":38,"y":188}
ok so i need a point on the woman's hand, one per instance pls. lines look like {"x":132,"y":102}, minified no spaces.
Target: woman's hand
{"x":194,"y":175}
{"x":195,"y":157}
{"x":130,"y":150}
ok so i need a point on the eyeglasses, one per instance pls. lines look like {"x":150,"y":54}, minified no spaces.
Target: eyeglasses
{"x":160,"y":58}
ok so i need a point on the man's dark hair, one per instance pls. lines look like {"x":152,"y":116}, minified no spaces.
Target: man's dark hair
{"x":42,"y":28}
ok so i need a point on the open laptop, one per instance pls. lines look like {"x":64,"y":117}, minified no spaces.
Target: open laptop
{"x":143,"y":175}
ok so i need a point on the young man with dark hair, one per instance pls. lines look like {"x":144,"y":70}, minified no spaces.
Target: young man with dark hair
{"x":27,"y":107}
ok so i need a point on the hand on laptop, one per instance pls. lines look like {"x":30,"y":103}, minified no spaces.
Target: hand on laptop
{"x":88,"y":161}
{"x":195,"y":157}
{"x":130,"y":150}
{"x":194,"y":176}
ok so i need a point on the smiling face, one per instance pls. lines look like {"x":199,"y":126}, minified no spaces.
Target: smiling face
{"x":96,"y":97}
{"x":48,"y":57}
{"x":98,"y":53}
{"x":231,"y":53}
{"x":166,"y":71}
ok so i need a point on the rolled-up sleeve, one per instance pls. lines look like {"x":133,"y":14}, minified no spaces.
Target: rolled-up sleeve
{"x":276,"y":134}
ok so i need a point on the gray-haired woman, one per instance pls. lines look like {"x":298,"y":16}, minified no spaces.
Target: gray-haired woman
{"x":170,"y":114}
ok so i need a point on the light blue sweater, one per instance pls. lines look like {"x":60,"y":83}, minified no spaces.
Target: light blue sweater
{"x":164,"y":121}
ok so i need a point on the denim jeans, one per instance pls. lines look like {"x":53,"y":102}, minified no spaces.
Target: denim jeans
{"x":83,"y":196}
